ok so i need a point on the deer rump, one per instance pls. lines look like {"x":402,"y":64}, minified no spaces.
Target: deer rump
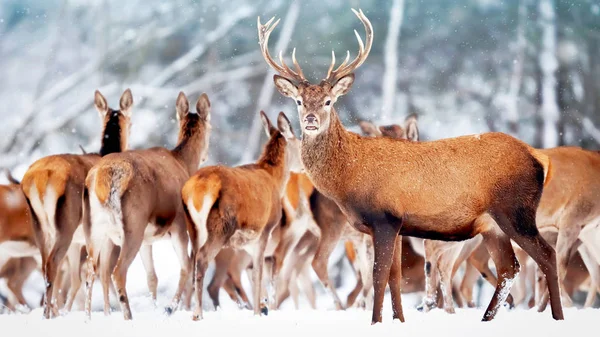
{"x":245,"y":196}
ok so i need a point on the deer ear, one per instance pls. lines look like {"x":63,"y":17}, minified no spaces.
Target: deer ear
{"x":284,"y":126}
{"x":342,"y":86}
{"x":126,"y":102}
{"x":369,"y":129}
{"x":203,"y":107}
{"x":100,"y":103}
{"x":268,"y":127}
{"x":285,"y":86}
{"x":182,"y":106}
{"x":393,"y":131}
{"x":411,"y":128}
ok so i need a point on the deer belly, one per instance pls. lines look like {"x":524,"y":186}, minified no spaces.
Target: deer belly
{"x":438,"y":229}
{"x":243,"y":238}
{"x":10,"y":249}
{"x":153,"y":233}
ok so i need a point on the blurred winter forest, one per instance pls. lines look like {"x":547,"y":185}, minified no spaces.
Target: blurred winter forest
{"x":527,"y":67}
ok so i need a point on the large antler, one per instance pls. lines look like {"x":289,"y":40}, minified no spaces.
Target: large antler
{"x":264,"y":31}
{"x":346,"y":68}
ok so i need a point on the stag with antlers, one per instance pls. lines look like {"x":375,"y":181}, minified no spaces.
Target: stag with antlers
{"x":451,"y":189}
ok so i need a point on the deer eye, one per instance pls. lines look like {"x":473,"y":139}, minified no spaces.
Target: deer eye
{"x":299,"y":102}
{"x":328,"y":102}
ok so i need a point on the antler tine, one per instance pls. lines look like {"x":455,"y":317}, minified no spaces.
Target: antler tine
{"x":345,"y":61}
{"x":264,"y":32}
{"x":296,"y":75}
{"x":296,"y":65}
{"x":332,"y":63}
{"x":363,"y":51}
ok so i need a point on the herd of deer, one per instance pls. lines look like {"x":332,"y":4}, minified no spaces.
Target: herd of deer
{"x":410,"y":213}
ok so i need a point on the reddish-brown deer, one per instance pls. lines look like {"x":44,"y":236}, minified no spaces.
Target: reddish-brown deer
{"x":240,"y":206}
{"x":16,"y":271}
{"x":283,"y":244}
{"x":17,"y":238}
{"x":133,"y":199}
{"x":53,"y":187}
{"x":439,"y":190}
{"x":570,"y":205}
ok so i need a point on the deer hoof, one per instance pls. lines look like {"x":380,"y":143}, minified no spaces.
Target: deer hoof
{"x":264,"y":311}
{"x":169,"y":310}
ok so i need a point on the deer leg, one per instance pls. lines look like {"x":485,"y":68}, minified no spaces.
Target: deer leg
{"x":55,"y":258}
{"x":353,"y":295}
{"x":384,"y":242}
{"x":395,"y":280}
{"x":286,"y":279}
{"x":203,"y":256}
{"x":594,"y":270}
{"x":545,"y":257}
{"x":241,"y":262}
{"x":431,"y":275}
{"x":269,"y":280}
{"x":74,"y":262}
{"x":179,"y":239}
{"x":187,"y":297}
{"x":564,"y":246}
{"x":500,"y":248}
{"x":15,"y":285}
{"x":320,"y":264}
{"x":365,"y":263}
{"x":445,"y":265}
{"x":260,"y":305}
{"x":106,"y":266}
{"x":307,"y":285}
{"x":294,"y":290}
{"x":479,"y":260}
{"x":151,"y":278}
{"x":462,"y":255}
{"x":92,"y":258}
{"x":220,"y":276}
{"x":521,"y":285}
{"x":132,"y":243}
{"x":230,"y":289}
{"x":466,"y":287}
{"x":60,"y":285}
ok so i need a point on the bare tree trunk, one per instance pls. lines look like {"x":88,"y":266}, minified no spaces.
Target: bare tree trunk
{"x":512,"y":113}
{"x":390,"y":59}
{"x":549,"y":65}
{"x":266,"y":92}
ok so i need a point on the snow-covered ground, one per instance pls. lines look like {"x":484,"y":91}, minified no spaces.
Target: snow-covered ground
{"x":230,"y":321}
{"x":353,"y":322}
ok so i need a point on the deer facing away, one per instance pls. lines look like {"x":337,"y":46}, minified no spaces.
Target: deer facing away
{"x":240,"y":206}
{"x":132,"y":199}
{"x":53,"y":187}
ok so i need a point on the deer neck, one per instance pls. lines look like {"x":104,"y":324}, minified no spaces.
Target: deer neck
{"x":187,"y":151}
{"x":114,"y":135}
{"x":273,"y":160}
{"x":326,"y":156}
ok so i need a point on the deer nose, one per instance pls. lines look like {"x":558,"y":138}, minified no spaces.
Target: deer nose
{"x":311,"y":118}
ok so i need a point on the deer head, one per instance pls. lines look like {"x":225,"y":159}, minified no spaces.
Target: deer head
{"x":409,"y":131}
{"x":194,"y":124}
{"x":292,"y":150}
{"x":315,"y":101}
{"x":116,"y":122}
